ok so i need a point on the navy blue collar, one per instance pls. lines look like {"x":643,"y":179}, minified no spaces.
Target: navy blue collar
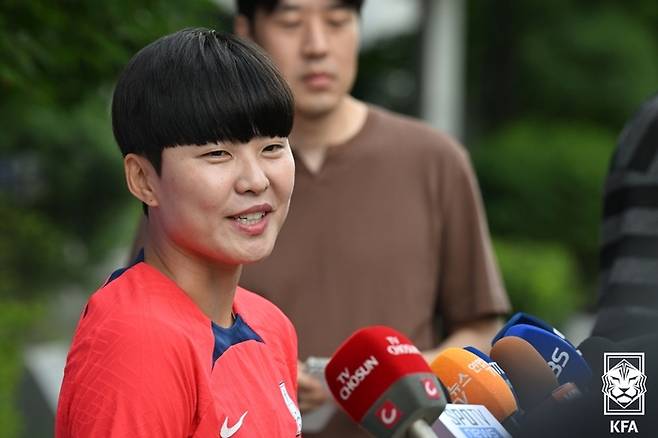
{"x":227,"y":337}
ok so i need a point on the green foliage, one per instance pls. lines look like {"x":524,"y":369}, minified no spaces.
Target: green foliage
{"x":587,"y":68}
{"x":61,"y":174}
{"x":16,"y":318}
{"x":543,"y":180}
{"x":565,"y":59}
{"x":540,"y":277}
{"x":59,"y":52}
{"x":30,"y":252}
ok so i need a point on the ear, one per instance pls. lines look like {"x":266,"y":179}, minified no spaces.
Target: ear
{"x":242,"y":27}
{"x":141,"y":179}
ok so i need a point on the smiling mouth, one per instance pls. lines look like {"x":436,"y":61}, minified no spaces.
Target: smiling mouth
{"x":250,"y":218}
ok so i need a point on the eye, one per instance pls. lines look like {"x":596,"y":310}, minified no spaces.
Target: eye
{"x":274,"y":147}
{"x":217,"y":154}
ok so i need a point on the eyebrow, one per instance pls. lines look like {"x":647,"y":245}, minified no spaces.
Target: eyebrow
{"x":284,"y":6}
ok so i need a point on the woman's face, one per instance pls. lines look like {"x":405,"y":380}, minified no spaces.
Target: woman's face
{"x":225,"y":202}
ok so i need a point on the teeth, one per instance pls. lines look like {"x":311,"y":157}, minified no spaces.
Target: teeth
{"x":251,"y":218}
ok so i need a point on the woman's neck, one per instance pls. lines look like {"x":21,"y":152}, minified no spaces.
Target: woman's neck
{"x":210,"y":285}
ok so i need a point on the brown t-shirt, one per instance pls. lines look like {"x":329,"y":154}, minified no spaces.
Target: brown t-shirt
{"x":390,"y":231}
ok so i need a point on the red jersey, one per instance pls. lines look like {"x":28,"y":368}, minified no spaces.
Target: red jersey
{"x":146,"y":362}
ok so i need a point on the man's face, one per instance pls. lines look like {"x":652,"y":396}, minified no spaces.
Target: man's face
{"x":225,"y":202}
{"x":315,"y":45}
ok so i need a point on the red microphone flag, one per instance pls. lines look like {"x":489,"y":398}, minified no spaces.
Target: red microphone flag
{"x":368,"y":363}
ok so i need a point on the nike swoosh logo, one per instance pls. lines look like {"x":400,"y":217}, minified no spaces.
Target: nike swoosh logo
{"x":226,"y":431}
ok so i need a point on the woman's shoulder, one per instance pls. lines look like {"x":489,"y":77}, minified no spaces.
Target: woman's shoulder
{"x":261,"y":314}
{"x":138,"y":305}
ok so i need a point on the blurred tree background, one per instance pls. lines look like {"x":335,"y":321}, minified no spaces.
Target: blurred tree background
{"x":549,"y":86}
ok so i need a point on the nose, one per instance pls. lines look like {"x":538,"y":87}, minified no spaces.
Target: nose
{"x":252,"y":178}
{"x":315,"y":44}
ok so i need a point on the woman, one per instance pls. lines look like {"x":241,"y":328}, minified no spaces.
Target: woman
{"x":171,"y":346}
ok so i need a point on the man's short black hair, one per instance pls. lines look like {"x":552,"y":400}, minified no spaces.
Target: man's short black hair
{"x":198,"y":86}
{"x":248,"y":7}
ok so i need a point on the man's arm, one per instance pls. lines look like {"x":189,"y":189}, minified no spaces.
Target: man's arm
{"x":476,"y":333}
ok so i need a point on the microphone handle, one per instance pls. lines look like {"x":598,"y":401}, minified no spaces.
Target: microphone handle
{"x":420,"y":429}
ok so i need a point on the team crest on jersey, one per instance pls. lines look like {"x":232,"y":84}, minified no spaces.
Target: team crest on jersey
{"x":624,"y":383}
{"x":292,"y":408}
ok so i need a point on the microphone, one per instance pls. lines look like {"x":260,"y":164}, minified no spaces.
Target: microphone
{"x":381,"y":380}
{"x":524,"y":318}
{"x":533,"y":379}
{"x":495,"y":366}
{"x":562,"y":357}
{"x":471,"y":380}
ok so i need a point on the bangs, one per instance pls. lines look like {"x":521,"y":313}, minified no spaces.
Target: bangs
{"x":197,"y":87}
{"x":236,"y":97}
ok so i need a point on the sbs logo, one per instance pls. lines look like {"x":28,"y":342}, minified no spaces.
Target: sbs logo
{"x":559,"y":360}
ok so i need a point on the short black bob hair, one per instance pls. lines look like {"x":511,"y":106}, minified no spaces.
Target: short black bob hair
{"x":248,"y":7}
{"x":195,"y":87}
